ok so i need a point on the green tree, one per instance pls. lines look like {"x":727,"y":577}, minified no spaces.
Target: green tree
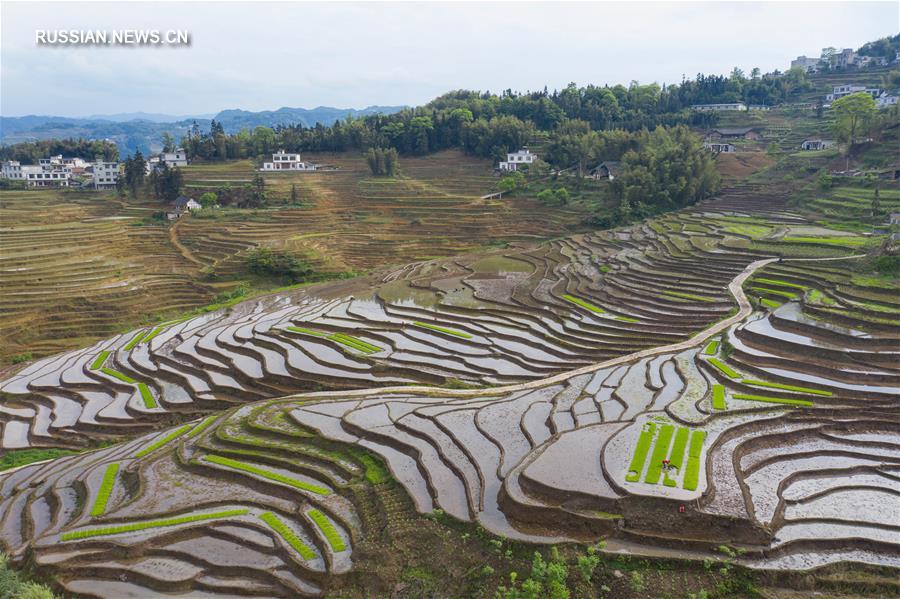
{"x":208,"y":199}
{"x":853,"y":116}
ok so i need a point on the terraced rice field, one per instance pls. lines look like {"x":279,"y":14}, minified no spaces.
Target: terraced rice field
{"x":79,"y":253}
{"x":620,"y":384}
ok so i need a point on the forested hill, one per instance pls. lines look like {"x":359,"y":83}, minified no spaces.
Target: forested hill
{"x":145,"y":134}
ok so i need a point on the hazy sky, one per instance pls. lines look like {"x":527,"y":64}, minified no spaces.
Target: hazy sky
{"x":260,"y":56}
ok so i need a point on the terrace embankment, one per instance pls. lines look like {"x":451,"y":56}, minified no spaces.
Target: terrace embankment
{"x":81,"y":266}
{"x":618,"y":388}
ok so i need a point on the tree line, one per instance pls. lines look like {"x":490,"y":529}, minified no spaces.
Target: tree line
{"x":32,"y":151}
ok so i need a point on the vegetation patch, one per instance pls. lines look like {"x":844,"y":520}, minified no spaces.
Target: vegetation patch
{"x":779,"y":283}
{"x":267,"y":474}
{"x":99,"y":360}
{"x":692,"y":472}
{"x":712,"y":348}
{"x":768,"y":303}
{"x":440,"y":329}
{"x":786,"y":294}
{"x":288,"y":535}
{"x":331,"y":534}
{"x":349,"y":341}
{"x":118,"y":375}
{"x":790,"y":402}
{"x":584,"y":304}
{"x":725,"y":368}
{"x":138,"y":526}
{"x":135,"y":340}
{"x":23,"y":457}
{"x":660,"y":451}
{"x":640,"y":453}
{"x":106,"y":487}
{"x":676,"y":458}
{"x":147,"y":396}
{"x":690,"y":296}
{"x":202,"y":426}
{"x":163,"y":441}
{"x":786,"y":387}
{"x":718,"y":397}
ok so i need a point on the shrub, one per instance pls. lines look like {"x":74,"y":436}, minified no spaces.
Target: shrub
{"x":23,"y":357}
{"x":888,"y":266}
{"x":266,"y":262}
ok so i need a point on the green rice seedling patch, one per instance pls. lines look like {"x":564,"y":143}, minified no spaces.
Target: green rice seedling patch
{"x":347,"y":340}
{"x":692,"y":472}
{"x":690,"y":296}
{"x":288,"y":535}
{"x":583,"y":303}
{"x":135,"y":340}
{"x":163,"y":441}
{"x":640,"y":453}
{"x":769,"y":303}
{"x":785,"y":294}
{"x":790,"y":402}
{"x":718,"y":398}
{"x":847,"y":242}
{"x":331,"y":534}
{"x":627,"y":319}
{"x":118,"y":375}
{"x":202,"y":426}
{"x":786,"y":387}
{"x":725,"y":368}
{"x":99,"y":360}
{"x":147,"y":396}
{"x":676,"y":458}
{"x":106,"y":487}
{"x":712,"y":348}
{"x":778,"y":283}
{"x":435,"y":327}
{"x":138,"y":526}
{"x":154,"y":333}
{"x":267,"y":474}
{"x":752,"y":231}
{"x":660,"y":451}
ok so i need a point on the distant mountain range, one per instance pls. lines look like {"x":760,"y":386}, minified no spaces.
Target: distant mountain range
{"x":143,"y":131}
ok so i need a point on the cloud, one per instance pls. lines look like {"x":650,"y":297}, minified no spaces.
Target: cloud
{"x":266,"y":55}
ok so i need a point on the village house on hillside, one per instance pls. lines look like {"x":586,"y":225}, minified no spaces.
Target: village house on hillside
{"x":105,"y":175}
{"x":735,"y":133}
{"x":606,"y":170}
{"x":839,"y":91}
{"x":816,"y":144}
{"x":739,"y":106}
{"x":181,"y":205}
{"x":176,"y":158}
{"x":516,"y":159}
{"x":288,"y":161}
{"x":719,"y":147}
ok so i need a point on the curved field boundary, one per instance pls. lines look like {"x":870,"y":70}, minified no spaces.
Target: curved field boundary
{"x":735,"y":287}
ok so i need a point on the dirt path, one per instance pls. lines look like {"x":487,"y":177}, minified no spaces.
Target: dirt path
{"x":182,"y":249}
{"x":735,"y":287}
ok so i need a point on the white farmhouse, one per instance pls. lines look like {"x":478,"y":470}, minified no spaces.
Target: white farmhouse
{"x":816,"y":144}
{"x":287,"y":161}
{"x":738,"y":106}
{"x":719,"y":147}
{"x":886,"y":100}
{"x":839,"y":91}
{"x":12,"y":169}
{"x":516,"y":159}
{"x":105,"y":174}
{"x":176,"y":158}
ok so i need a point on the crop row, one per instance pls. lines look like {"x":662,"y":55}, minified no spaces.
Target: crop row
{"x":138,"y":526}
